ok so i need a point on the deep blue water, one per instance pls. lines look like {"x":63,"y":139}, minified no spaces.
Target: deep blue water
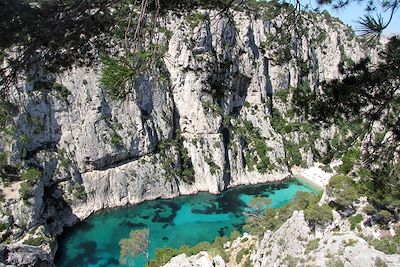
{"x":183,"y":220}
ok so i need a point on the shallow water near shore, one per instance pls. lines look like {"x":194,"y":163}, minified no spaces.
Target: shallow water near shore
{"x":172,"y":223}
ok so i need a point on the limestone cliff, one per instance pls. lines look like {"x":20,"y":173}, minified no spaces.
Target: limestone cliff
{"x":207,"y":128}
{"x":295,"y":244}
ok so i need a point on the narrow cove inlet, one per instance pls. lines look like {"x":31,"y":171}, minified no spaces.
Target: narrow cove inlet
{"x":171,"y":223}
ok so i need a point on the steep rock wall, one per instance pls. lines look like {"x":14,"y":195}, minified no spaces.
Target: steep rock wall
{"x":208,"y":128}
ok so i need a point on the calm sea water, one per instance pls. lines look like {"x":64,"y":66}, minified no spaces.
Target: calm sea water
{"x":183,"y":220}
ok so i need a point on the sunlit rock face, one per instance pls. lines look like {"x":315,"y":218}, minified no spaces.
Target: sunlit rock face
{"x":334,"y":246}
{"x":206,"y":127}
{"x":220,"y":75}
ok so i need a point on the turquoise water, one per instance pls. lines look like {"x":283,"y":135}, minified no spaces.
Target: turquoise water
{"x":175,"y":222}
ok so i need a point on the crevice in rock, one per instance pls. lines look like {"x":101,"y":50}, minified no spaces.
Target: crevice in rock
{"x":227,"y":169}
{"x":116,"y":163}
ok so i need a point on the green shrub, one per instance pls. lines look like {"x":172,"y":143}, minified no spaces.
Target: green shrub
{"x":278,"y":123}
{"x":162,"y":256}
{"x":79,"y":192}
{"x":290,"y":261}
{"x":354,"y":220}
{"x":349,"y":242}
{"x":312,"y":245}
{"x":343,"y":189}
{"x":3,"y":159}
{"x":116,"y":139}
{"x":187,"y":172}
{"x":282,"y":94}
{"x":25,"y":191}
{"x":264,"y":165}
{"x":369,"y":209}
{"x":62,"y":91}
{"x":382,"y":186}
{"x":240,"y":255}
{"x":183,"y":168}
{"x":335,"y":263}
{"x":31,"y":175}
{"x":293,"y":154}
{"x":195,"y":19}
{"x":326,"y":168}
{"x":385,"y":215}
{"x":3,"y":226}
{"x":349,"y":159}
{"x":65,"y":163}
{"x":386,"y":245}
{"x":214,"y":168}
{"x":318,"y":214}
{"x":24,"y":139}
{"x":396,"y":238}
{"x":35,"y":241}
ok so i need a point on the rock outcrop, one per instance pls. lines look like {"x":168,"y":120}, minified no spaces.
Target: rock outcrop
{"x":295,"y":244}
{"x":292,"y":244}
{"x":202,"y":259}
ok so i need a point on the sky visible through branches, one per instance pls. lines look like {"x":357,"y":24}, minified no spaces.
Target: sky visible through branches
{"x":351,"y":13}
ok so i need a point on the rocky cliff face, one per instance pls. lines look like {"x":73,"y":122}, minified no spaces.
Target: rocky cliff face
{"x":206,"y":128}
{"x":295,"y":244}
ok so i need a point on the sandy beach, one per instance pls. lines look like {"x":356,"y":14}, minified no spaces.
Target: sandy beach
{"x":315,"y":175}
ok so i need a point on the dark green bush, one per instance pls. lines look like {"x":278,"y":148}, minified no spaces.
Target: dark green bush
{"x":320,"y":215}
{"x":116,"y":139}
{"x":354,"y":220}
{"x":25,"y":191}
{"x":62,"y":91}
{"x":195,"y":19}
{"x":35,"y":241}
{"x":214,"y":168}
{"x":327,"y":168}
{"x":369,"y":209}
{"x":349,"y":159}
{"x":31,"y":175}
{"x":187,"y":172}
{"x":293,"y":154}
{"x":282,"y":94}
{"x":385,"y":215}
{"x":3,"y":226}
{"x":343,"y":189}
{"x":386,"y":245}
{"x":79,"y":192}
